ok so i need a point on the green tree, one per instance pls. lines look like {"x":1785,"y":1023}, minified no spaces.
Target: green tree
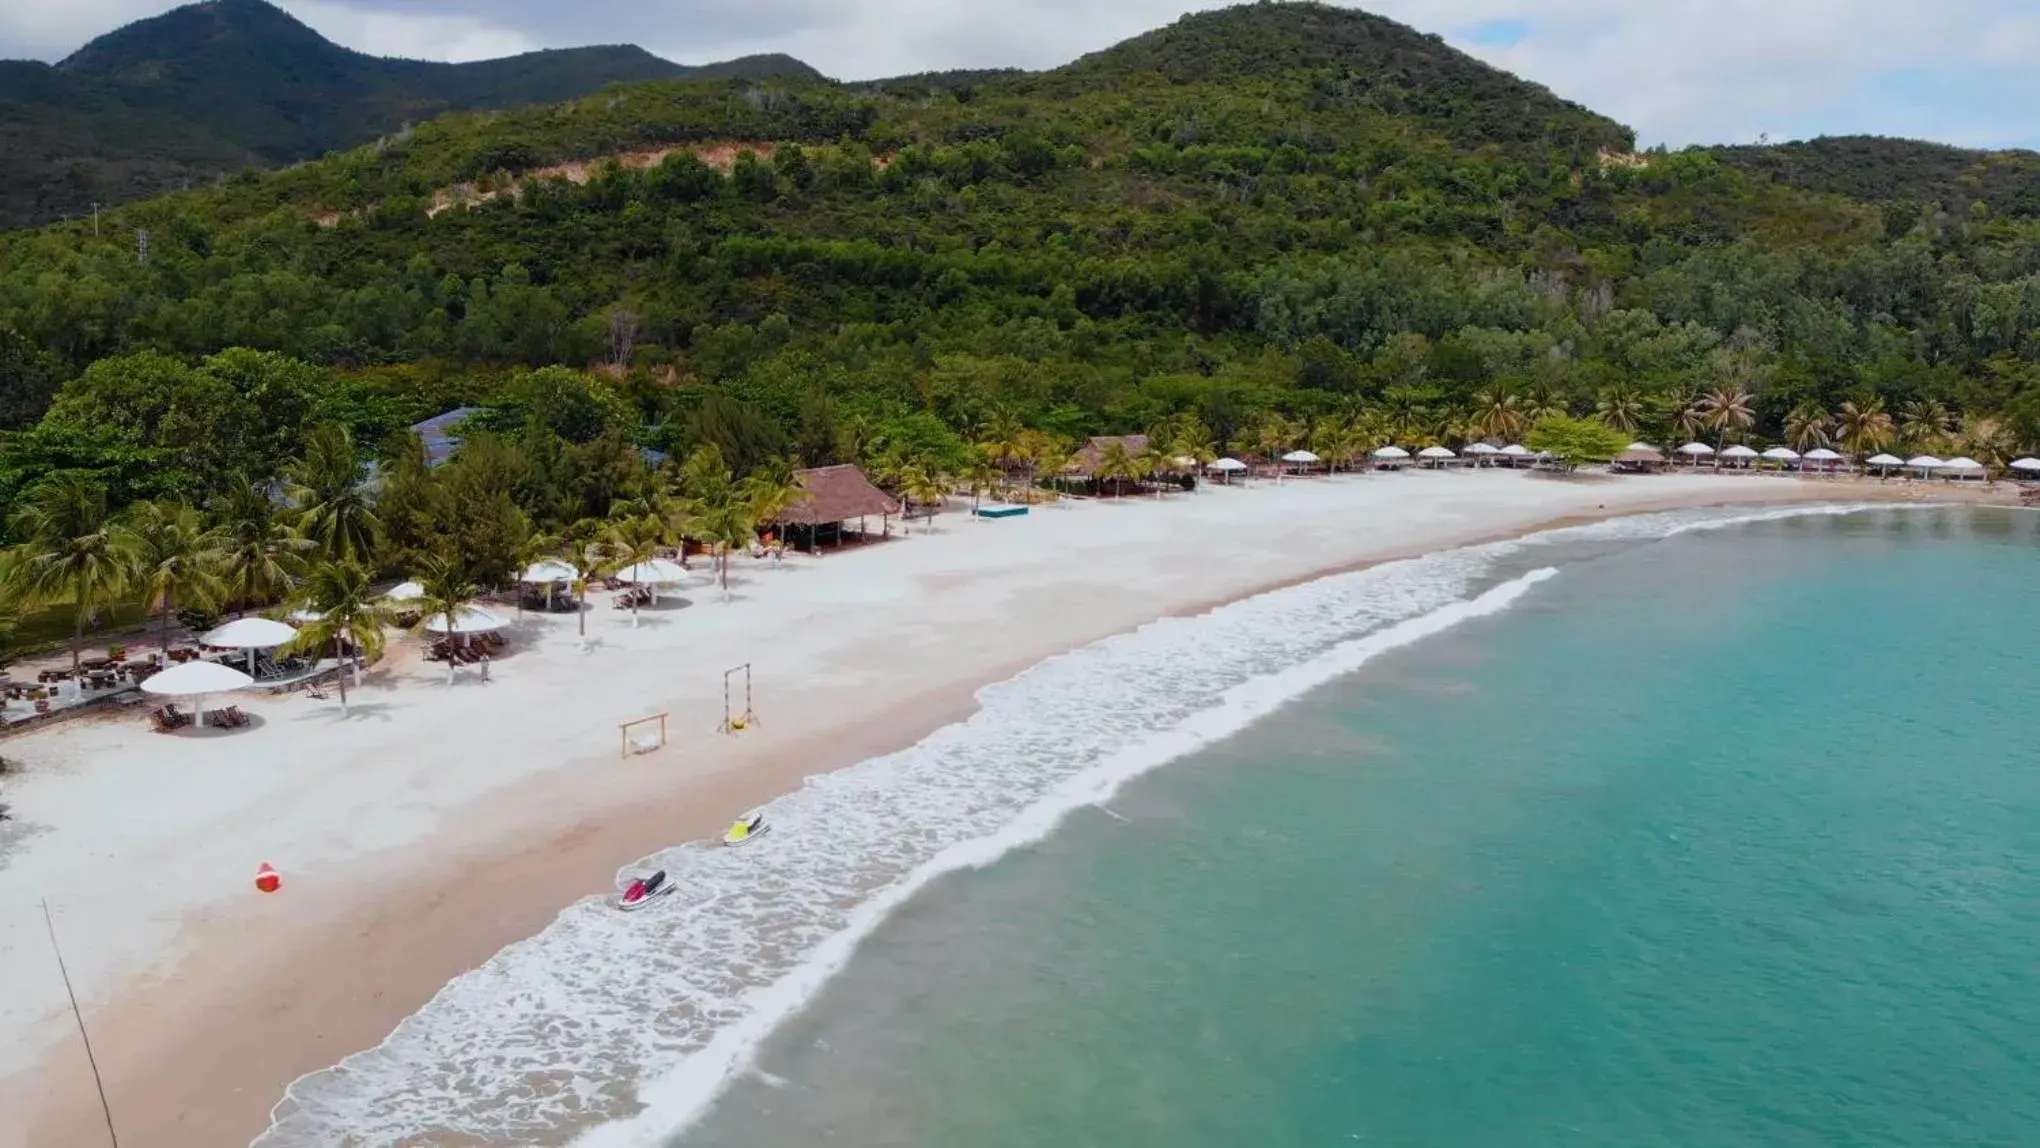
{"x":1575,"y":441}
{"x":177,"y":559}
{"x":351,"y":618}
{"x":337,"y":514}
{"x":262,"y":553}
{"x":71,"y":553}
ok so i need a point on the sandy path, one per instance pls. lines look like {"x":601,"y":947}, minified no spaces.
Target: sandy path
{"x":437,"y":823}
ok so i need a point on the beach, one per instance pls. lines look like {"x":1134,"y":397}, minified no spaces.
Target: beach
{"x":436,"y":823}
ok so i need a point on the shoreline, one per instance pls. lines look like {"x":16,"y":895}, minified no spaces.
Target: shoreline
{"x":294,"y":984}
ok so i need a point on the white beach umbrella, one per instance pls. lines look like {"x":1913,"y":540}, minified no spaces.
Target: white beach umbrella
{"x":2027,"y":464}
{"x":196,"y":680}
{"x":1696,"y":451}
{"x":1822,"y":454}
{"x":405,"y":592}
{"x":1301,"y":456}
{"x":1925,"y":462}
{"x":657,"y":572}
{"x":1228,"y":466}
{"x":1435,"y":452}
{"x":1483,"y":448}
{"x":1885,"y":460}
{"x":1391,"y":453}
{"x":1516,"y":450}
{"x":251,"y":634}
{"x":467,"y":620}
{"x":1963,"y":464}
{"x":550,"y":570}
{"x":305,"y":615}
{"x":1782,"y":454}
{"x":1739,"y":451}
{"x":1641,"y":446}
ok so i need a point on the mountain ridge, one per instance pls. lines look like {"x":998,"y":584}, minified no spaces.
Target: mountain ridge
{"x":210,"y":88}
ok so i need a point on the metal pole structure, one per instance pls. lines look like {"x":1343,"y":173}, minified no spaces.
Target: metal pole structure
{"x":104,"y":1107}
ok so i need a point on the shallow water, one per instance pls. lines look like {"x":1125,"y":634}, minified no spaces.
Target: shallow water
{"x":1725,"y":839}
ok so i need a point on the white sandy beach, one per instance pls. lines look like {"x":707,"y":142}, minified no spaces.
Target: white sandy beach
{"x":436,"y":823}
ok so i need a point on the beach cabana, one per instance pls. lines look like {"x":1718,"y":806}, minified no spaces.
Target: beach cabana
{"x":1482,"y":453}
{"x":1822,"y":458}
{"x":197,"y":680}
{"x":655,"y":573}
{"x":1435,"y":456}
{"x":1884,"y":462}
{"x":1638,"y":458}
{"x":252,"y":635}
{"x":1926,"y":464}
{"x":1695,"y":451}
{"x":548,"y":572}
{"x":1300,"y":458}
{"x":1516,"y":454}
{"x":1739,"y":454}
{"x":2027,"y":466}
{"x":1782,"y":455}
{"x":1390,"y":457}
{"x":1226,"y":468}
{"x":1964,"y":467}
{"x":835,"y":495}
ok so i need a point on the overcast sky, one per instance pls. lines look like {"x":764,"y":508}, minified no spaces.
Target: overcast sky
{"x":1679,"y":71}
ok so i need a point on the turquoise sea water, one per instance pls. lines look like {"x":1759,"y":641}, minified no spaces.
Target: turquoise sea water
{"x":1726,"y":839}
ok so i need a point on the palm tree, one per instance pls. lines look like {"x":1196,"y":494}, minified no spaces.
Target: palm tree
{"x":771,"y":490}
{"x":1621,"y":408}
{"x":1806,"y":426}
{"x":71,"y":553}
{"x":719,"y":509}
{"x":922,"y":485}
{"x":351,"y":618}
{"x":1864,"y":427}
{"x":1498,"y":413}
{"x":1119,"y":465}
{"x":1005,"y":441}
{"x":628,"y":542}
{"x":582,"y":546}
{"x":1542,"y":401}
{"x":1691,"y":420}
{"x":1188,"y":438}
{"x":335,"y":509}
{"x":177,"y":559}
{"x":1992,"y":443}
{"x":980,"y":475}
{"x":447,"y":592}
{"x":1403,"y":413}
{"x":1156,"y":463}
{"x":1727,"y":411}
{"x":1925,"y":426}
{"x":1052,"y":456}
{"x":263,"y":553}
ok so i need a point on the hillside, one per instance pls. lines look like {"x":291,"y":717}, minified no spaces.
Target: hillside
{"x":181,"y":98}
{"x":1259,"y":247}
{"x":1878,"y":169}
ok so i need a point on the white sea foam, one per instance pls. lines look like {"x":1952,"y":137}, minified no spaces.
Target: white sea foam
{"x":628,"y":1025}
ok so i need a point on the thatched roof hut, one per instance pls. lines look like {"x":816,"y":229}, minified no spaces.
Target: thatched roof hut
{"x":1639,"y":457}
{"x":836,"y":494}
{"x":1085,"y":461}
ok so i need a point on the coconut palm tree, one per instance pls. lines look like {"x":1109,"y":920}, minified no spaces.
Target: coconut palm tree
{"x":1690,"y":421}
{"x":582,"y":546}
{"x":771,"y":490}
{"x":351,"y":618}
{"x":1052,"y":457}
{"x":718,"y":509}
{"x":177,"y":559}
{"x":1156,"y":463}
{"x":1806,"y":426}
{"x":628,"y":542}
{"x":923,"y":485}
{"x":1119,"y":465}
{"x":1727,"y":411}
{"x":1189,"y":438}
{"x":1541,"y":401}
{"x":979,"y":475}
{"x":335,"y":509}
{"x":263,"y":552}
{"x":1864,"y":428}
{"x":1620,"y":407}
{"x":448,"y":589}
{"x":1925,"y":425}
{"x":1498,"y":413}
{"x":1403,"y":412}
{"x":71,"y":553}
{"x":1992,"y":443}
{"x":1005,"y":441}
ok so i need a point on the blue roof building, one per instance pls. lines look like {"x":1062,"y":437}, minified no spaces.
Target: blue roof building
{"x":436,"y":432}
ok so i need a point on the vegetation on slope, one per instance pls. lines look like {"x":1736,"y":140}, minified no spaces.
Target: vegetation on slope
{"x":1916,"y":175}
{"x":178,"y":99}
{"x":932,"y":282}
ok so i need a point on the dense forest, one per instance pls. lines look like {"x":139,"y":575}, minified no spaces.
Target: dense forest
{"x":1263,"y":227}
{"x":180,"y":99}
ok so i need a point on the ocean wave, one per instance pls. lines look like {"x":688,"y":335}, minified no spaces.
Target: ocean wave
{"x":626,"y":1026}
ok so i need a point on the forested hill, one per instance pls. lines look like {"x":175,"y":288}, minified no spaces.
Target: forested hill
{"x":181,"y":98}
{"x":1338,"y":233}
{"x":1881,"y":170}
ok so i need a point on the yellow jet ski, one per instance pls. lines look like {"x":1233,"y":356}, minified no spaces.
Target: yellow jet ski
{"x":746,"y":830}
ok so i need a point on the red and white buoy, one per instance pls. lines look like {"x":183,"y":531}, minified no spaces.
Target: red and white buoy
{"x":268,"y":879}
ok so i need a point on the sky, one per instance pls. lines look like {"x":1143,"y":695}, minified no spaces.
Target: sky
{"x":1679,"y":71}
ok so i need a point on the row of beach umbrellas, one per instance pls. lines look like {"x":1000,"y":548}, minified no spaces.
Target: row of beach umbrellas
{"x":1389,"y":454}
{"x":1925,"y":462}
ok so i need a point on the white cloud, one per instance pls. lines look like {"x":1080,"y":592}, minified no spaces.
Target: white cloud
{"x":1680,"y":71}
